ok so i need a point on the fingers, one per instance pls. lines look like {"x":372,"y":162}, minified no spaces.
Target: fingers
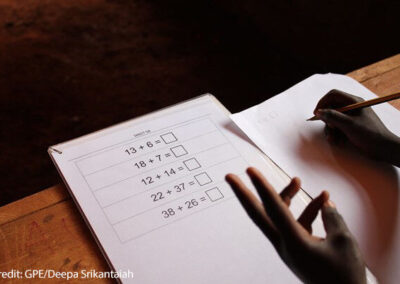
{"x":336,"y":99}
{"x":333,"y":221}
{"x":290,"y":191}
{"x":276,"y":209}
{"x":310,"y":213}
{"x":334,"y":135}
{"x":335,"y":119}
{"x":253,"y":207}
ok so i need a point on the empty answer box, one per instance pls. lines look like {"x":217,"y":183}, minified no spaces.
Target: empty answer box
{"x":168,"y":137}
{"x":203,"y":178}
{"x":179,"y":151}
{"x":192,"y":164}
{"x":214,"y":194}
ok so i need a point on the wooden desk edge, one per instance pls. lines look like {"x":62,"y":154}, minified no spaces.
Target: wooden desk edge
{"x":33,"y":203}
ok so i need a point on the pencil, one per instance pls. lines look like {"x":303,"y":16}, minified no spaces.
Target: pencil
{"x":364,"y":104}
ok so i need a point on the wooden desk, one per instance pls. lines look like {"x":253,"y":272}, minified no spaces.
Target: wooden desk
{"x":46,"y":231}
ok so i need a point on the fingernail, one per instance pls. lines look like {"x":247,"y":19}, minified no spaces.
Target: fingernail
{"x":228,"y":177}
{"x":325,"y":195}
{"x":251,"y":171}
{"x":331,"y":204}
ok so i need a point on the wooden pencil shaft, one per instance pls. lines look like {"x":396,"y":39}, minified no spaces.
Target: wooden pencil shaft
{"x":368,"y":103}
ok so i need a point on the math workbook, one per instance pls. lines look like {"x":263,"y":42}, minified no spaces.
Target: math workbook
{"x":153,"y":192}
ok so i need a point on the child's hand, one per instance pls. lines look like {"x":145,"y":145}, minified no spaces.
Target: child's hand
{"x":362,"y":128}
{"x":335,"y":259}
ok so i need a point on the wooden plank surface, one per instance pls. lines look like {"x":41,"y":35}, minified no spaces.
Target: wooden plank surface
{"x":46,"y":231}
{"x":383,"y":77}
{"x":33,"y":203}
{"x":54,"y":237}
{"x":378,"y":68}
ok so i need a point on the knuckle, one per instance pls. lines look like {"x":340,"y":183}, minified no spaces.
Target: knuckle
{"x":357,"y":99}
{"x":326,"y":100}
{"x":333,"y":92}
{"x":328,"y":114}
{"x":342,"y":239}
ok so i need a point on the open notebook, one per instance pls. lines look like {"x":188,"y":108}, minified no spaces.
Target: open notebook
{"x":153,"y":193}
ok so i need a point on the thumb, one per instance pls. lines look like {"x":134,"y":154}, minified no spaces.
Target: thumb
{"x":335,"y":119}
{"x":333,"y":221}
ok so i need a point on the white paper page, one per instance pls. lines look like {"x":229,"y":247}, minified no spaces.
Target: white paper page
{"x":153,"y":192}
{"x":366,"y":192}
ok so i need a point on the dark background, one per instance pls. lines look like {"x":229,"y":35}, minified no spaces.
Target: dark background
{"x":68,"y":68}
